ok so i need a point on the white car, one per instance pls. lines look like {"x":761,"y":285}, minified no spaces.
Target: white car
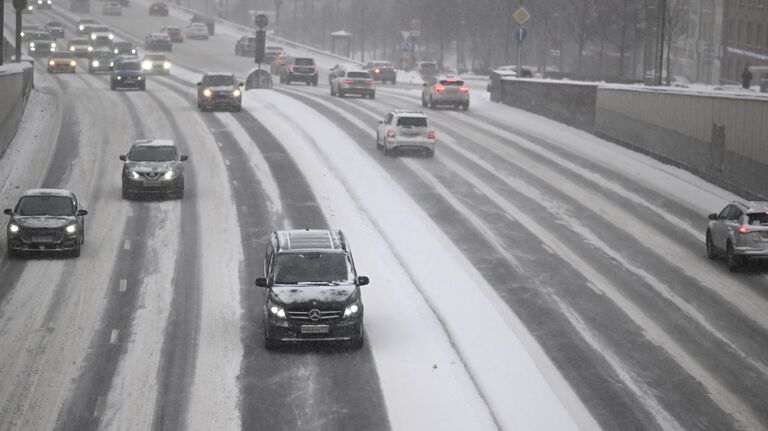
{"x":404,"y":129}
{"x":197,"y":30}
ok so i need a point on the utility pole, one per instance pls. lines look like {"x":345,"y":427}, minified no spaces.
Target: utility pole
{"x":662,"y":37}
{"x":2,"y":39}
{"x":19,"y":5}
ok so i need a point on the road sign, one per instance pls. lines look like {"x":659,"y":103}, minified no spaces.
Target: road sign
{"x":522,"y":34}
{"x":261,"y":20}
{"x":278,"y":3}
{"x":415,"y":24}
{"x":415,"y":33}
{"x":521,"y":15}
{"x":20,"y":4}
{"x":406,"y":46}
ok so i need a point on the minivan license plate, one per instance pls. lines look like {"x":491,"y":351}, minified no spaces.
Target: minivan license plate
{"x":314,"y":329}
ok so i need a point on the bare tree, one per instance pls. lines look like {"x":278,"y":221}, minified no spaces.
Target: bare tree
{"x":677,"y":22}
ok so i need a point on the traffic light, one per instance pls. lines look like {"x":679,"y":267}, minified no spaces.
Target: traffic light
{"x":261,"y":40}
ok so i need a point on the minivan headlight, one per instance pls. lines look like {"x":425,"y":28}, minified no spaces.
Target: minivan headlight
{"x":236,"y":93}
{"x":169,"y":175}
{"x":72,"y":228}
{"x":13,"y":228}
{"x":277,"y":311}
{"x":135,"y":175}
{"x":351,"y":310}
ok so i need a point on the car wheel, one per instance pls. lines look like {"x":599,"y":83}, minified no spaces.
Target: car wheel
{"x":466,"y":106}
{"x":430,"y":153}
{"x":378,"y":143}
{"x":340,"y":93}
{"x":14,"y":254}
{"x":126,"y":193}
{"x":357,"y":343}
{"x":238,"y":108}
{"x":314,"y":83}
{"x":387,"y":151}
{"x":75,"y":252}
{"x":112,"y":86}
{"x":143,"y":87}
{"x":734,"y":261}
{"x":711,"y":252}
{"x":423,"y":102}
{"x":372,"y":96}
{"x":431,"y":103}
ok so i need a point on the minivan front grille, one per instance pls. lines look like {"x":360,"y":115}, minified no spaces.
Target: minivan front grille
{"x":325,"y":315}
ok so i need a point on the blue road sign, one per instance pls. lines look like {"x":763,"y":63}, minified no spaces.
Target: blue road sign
{"x":522,"y":34}
{"x":406,"y":46}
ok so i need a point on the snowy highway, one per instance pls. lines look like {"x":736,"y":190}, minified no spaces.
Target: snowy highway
{"x":528,"y":277}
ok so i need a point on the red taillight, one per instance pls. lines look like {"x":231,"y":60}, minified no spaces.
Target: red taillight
{"x":347,"y":81}
{"x":439,"y":88}
{"x":744,"y":230}
{"x":431,"y":135}
{"x":317,"y":69}
{"x":371,"y":82}
{"x":464,"y":89}
{"x":290,"y":68}
{"x":394,"y":70}
{"x":390,"y":133}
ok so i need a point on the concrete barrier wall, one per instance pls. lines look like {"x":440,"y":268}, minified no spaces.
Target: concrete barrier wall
{"x":15,"y":87}
{"x":572,"y":103}
{"x":721,"y":138}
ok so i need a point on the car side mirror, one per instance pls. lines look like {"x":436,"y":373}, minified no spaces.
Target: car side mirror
{"x":199,"y":84}
{"x":381,"y":121}
{"x":425,"y":84}
{"x":184,"y":158}
{"x":261,"y":282}
{"x":363,"y":280}
{"x":82,"y":212}
{"x":712,"y":216}
{"x":123,"y":157}
{"x":239,"y":84}
{"x":8,"y":211}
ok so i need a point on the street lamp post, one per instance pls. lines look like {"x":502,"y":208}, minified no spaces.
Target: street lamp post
{"x":19,"y":5}
{"x":662,"y":37}
{"x":2,"y":39}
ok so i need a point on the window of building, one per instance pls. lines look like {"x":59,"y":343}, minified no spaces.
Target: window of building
{"x":759,"y":36}
{"x":750,"y":33}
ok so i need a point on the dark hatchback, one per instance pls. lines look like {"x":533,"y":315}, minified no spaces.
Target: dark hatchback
{"x":153,"y":167}
{"x":313,"y":290}
{"x":219,"y":90}
{"x":127,"y":73}
{"x":301,"y":69}
{"x":46,"y":220}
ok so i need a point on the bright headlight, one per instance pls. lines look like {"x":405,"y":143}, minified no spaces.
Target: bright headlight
{"x":351,"y":310}
{"x":167,"y":65}
{"x":13,"y":228}
{"x":135,"y":175}
{"x":207,"y":92}
{"x":71,"y":48}
{"x":111,"y":36}
{"x":90,"y":48}
{"x":51,"y":63}
{"x":93,"y":37}
{"x":236,"y":93}
{"x":277,"y":311}
{"x":72,"y":228}
{"x":73,"y":63}
{"x":147,"y":65}
{"x":81,"y":27}
{"x":119,"y":78}
{"x":53,"y":45}
{"x":139,"y":78}
{"x":21,"y":34}
{"x":115,"y":50}
{"x":169,"y":175}
{"x":133,"y":50}
{"x":95,"y":63}
{"x":31,"y":44}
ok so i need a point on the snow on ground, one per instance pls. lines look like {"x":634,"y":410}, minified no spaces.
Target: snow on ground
{"x":440,"y":276}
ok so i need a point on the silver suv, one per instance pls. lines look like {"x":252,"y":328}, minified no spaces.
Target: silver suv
{"x":313,"y":290}
{"x":445,"y":91}
{"x":739,"y":232}
{"x":405,"y":130}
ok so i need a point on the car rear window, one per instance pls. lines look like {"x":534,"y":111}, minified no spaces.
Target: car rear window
{"x":412,"y":122}
{"x":452,"y":82}
{"x":364,"y":75}
{"x":758,"y":219}
{"x":304,"y":62}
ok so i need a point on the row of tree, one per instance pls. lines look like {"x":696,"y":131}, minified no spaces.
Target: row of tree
{"x":590,"y":38}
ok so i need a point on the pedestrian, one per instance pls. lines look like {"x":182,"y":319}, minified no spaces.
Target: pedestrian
{"x":746,"y":77}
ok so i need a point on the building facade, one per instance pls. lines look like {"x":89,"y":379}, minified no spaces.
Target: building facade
{"x":745,"y":37}
{"x":697,"y":53}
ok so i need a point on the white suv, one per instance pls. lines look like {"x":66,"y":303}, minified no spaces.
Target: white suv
{"x":405,"y":130}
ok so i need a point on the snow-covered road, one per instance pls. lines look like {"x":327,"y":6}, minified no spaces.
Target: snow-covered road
{"x":530,"y":276}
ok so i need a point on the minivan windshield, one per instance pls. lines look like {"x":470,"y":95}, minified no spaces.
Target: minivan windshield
{"x":45,"y":205}
{"x":312,"y":267}
{"x":219,"y":80}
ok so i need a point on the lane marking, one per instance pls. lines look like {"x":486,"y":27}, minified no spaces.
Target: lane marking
{"x":218,"y":143}
{"x":234,"y":183}
{"x":127,"y":244}
{"x":548,"y":249}
{"x":123,"y":285}
{"x":113,"y":336}
{"x":226,"y":162}
{"x":97,"y":407}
